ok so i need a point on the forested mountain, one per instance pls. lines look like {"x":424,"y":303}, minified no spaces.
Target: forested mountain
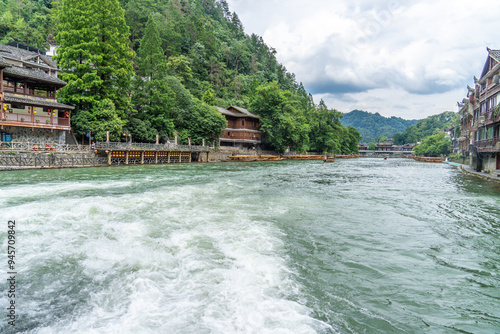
{"x":372,"y":127}
{"x":425,"y":128}
{"x":157,"y":67}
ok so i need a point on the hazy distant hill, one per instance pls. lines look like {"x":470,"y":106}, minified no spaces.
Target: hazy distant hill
{"x":372,"y":126}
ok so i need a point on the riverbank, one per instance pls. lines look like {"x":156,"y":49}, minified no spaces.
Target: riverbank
{"x":466,"y":169}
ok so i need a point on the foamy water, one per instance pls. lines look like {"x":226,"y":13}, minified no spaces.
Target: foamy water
{"x":156,"y":257}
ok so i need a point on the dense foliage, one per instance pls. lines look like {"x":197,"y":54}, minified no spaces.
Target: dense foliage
{"x":425,"y":127}
{"x":161,"y":66}
{"x":373,"y":127}
{"x":434,"y":145}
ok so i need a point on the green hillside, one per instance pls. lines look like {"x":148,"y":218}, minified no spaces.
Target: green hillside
{"x":425,"y":128}
{"x":374,"y":126}
{"x":158,"y":67}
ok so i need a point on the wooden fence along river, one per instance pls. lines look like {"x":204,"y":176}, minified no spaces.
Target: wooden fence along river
{"x":43,"y":155}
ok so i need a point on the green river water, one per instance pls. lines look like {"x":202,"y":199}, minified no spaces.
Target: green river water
{"x":355,"y":246}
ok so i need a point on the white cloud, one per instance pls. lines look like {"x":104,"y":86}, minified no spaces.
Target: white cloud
{"x":424,"y":51}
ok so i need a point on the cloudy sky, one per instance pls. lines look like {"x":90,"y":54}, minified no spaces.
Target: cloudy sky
{"x":405,"y":58}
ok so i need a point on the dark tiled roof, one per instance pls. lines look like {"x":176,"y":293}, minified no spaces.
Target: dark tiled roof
{"x":240,"y":112}
{"x":36,"y":101}
{"x":33,"y":74}
{"x":4,"y":63}
{"x":495,"y":54}
{"x":244,"y":111}
{"x":23,"y":55}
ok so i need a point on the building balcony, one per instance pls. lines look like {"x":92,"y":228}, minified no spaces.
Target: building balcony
{"x":35,"y":121}
{"x":488,"y":145}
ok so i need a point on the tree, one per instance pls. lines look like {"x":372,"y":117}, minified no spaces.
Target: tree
{"x":102,"y":118}
{"x":209,"y":98}
{"x":283,"y":125}
{"x":151,"y":61}
{"x":326,"y":129}
{"x":94,"y":55}
{"x":434,"y":145}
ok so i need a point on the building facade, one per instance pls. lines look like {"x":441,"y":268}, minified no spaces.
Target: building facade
{"x":29,"y":111}
{"x":243,"y":128}
{"x":482,"y":126}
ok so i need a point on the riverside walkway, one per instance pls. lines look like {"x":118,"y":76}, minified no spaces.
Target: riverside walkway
{"x":466,"y":169}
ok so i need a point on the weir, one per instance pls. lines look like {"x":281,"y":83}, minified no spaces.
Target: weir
{"x":138,"y":153}
{"x":16,"y":155}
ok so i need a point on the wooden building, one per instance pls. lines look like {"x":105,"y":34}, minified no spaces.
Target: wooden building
{"x":485,"y":122}
{"x":384,"y":146}
{"x":243,"y":128}
{"x":465,"y":117}
{"x":29,"y":110}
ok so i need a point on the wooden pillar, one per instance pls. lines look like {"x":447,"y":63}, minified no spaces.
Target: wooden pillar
{"x":207,"y":156}
{"x":126,"y":157}
{"x":25,"y":87}
{"x":190,"y":157}
{"x":109,"y":158}
{"x":156,"y":157}
{"x":180,"y":156}
{"x":168,"y":157}
{"x":142,"y":158}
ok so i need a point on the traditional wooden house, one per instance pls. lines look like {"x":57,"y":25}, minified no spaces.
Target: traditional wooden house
{"x":486,"y":116}
{"x":362,"y":147}
{"x":465,"y":117}
{"x":243,"y":128}
{"x":408,"y":147}
{"x":29,"y":111}
{"x":384,"y":146}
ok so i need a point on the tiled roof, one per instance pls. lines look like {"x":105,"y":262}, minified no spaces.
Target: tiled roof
{"x":24,"y":55}
{"x":33,"y":74}
{"x":36,"y":101}
{"x":240,"y":112}
{"x":244,"y":111}
{"x":495,"y":54}
{"x":4,"y":63}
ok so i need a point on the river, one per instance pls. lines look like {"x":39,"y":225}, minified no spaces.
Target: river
{"x":355,"y":246}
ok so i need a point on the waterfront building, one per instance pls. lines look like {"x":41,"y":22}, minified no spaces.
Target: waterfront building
{"x":243,"y":128}
{"x":29,"y":111}
{"x":465,"y":117}
{"x":384,"y":146}
{"x":486,"y":116}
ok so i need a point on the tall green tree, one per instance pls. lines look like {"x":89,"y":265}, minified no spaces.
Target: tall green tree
{"x":94,"y":55}
{"x":326,"y":129}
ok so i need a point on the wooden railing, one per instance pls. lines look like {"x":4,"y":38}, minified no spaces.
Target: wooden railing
{"x":487,"y":144}
{"x":34,"y":120}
